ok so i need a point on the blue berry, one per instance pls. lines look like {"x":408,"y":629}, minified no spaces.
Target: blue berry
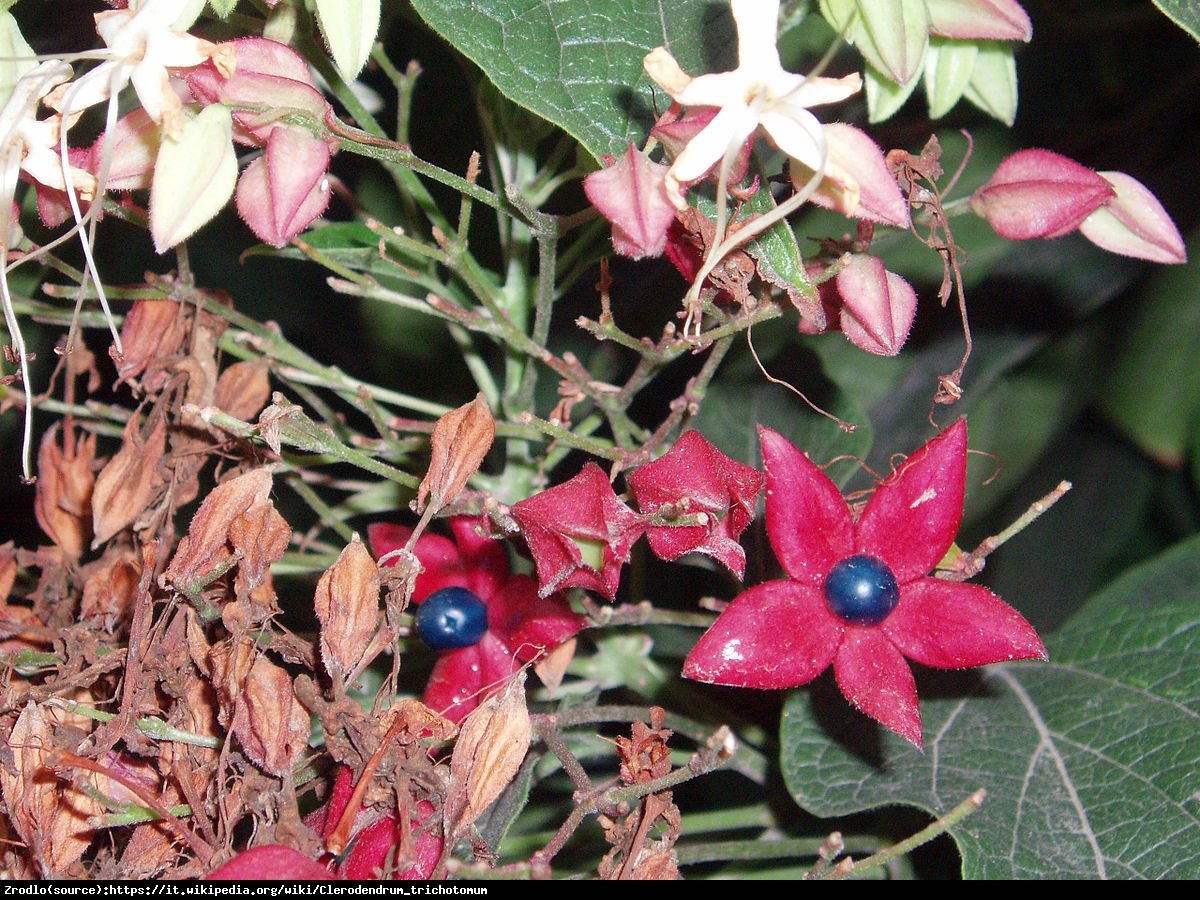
{"x":451,"y":618}
{"x":862,"y":590}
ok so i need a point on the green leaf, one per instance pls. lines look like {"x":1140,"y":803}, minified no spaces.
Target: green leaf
{"x":775,"y":250}
{"x":1153,"y":391}
{"x":1184,"y":13}
{"x":578,"y":63}
{"x":1089,"y":760}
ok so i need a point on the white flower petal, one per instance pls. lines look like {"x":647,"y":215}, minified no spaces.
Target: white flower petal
{"x":757,"y":24}
{"x":797,"y":133}
{"x":730,"y":126}
{"x":817,"y":91}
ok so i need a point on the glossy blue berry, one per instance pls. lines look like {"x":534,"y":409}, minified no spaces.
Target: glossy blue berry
{"x":862,"y":590}
{"x":451,"y":618}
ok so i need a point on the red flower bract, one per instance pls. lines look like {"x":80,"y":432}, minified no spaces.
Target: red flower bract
{"x":697,"y":479}
{"x":783,"y":633}
{"x":580,"y":533}
{"x":521,"y":625}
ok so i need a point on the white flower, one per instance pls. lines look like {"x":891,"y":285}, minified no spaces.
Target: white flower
{"x":758,"y":93}
{"x":143,"y":42}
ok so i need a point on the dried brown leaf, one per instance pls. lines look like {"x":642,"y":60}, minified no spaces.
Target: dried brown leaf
{"x":65,"y":490}
{"x":461,"y":439}
{"x":153,"y":330}
{"x":109,"y":587}
{"x":205,"y":551}
{"x":492,"y":743}
{"x":127,"y":484}
{"x":347,"y":605}
{"x":51,"y":819}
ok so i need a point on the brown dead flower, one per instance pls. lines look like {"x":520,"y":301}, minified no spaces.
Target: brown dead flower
{"x":259,"y":705}
{"x":65,"y":484}
{"x":492,"y":743}
{"x":347,"y":605}
{"x":128,"y":482}
{"x":461,"y":439}
{"x":236,"y":524}
{"x":51,"y":818}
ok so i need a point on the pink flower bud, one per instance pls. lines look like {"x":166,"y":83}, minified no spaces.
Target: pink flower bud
{"x":857,"y":181}
{"x":879,"y":306}
{"x":632,"y":195}
{"x":1039,"y":194}
{"x":282,"y":191}
{"x":973,"y":20}
{"x":1134,"y":224}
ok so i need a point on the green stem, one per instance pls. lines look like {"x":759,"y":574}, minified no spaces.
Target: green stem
{"x":924,"y":836}
{"x":149,"y":726}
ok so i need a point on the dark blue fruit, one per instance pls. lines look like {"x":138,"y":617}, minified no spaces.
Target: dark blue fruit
{"x":862,"y":590}
{"x":451,"y":618}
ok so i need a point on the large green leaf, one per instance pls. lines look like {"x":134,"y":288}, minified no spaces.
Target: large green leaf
{"x":1184,"y":13}
{"x":578,"y":63}
{"x":1089,"y":760}
{"x":1153,"y":393}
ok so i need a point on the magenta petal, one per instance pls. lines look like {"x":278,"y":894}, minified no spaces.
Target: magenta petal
{"x":561,"y":521}
{"x":461,"y":679}
{"x":632,"y":195}
{"x":950,"y":625}
{"x":777,"y":635}
{"x":270,"y":863}
{"x":697,"y":478}
{"x":371,"y":846}
{"x":530,"y":624}
{"x":875,"y":678}
{"x":807,"y":518}
{"x":911,"y":521}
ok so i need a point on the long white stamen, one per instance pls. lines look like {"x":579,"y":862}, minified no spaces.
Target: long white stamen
{"x":87,"y":236}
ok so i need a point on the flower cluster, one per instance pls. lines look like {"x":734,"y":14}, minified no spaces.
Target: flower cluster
{"x":489,"y":621}
{"x":486,"y":622}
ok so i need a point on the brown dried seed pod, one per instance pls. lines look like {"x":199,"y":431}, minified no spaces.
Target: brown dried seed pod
{"x":492,"y":743}
{"x":347,"y":605}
